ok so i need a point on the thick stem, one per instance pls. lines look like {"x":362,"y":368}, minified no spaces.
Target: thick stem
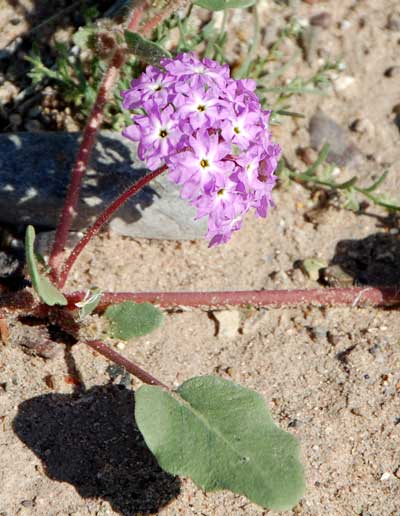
{"x":357,"y":296}
{"x":131,"y":367}
{"x":103,"y":219}
{"x":85,"y":150}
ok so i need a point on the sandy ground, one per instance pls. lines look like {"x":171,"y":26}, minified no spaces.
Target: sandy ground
{"x":329,"y":376}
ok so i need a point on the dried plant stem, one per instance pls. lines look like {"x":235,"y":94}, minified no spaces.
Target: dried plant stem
{"x":356,"y":296}
{"x":103,"y":219}
{"x":131,"y":367}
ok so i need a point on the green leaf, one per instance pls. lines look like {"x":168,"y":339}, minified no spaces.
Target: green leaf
{"x":222,"y":436}
{"x":220,"y":5}
{"x":47,"y":292}
{"x":312,"y":266}
{"x":90,"y":303}
{"x":84,"y":37}
{"x":130,"y":320}
{"x":148,"y":51}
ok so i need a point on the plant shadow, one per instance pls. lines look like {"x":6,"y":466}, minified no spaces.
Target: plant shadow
{"x":374,"y":260}
{"x":91,"y":441}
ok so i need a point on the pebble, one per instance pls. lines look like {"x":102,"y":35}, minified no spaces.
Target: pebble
{"x":307,"y":155}
{"x":15,"y":121}
{"x":342,"y":151}
{"x":228,"y":323}
{"x":392,"y":71}
{"x":343,"y":82}
{"x":394,"y":22}
{"x":7,"y":92}
{"x":363,"y":126}
{"x":253,"y":323}
{"x":322,"y":20}
{"x":386,"y":476}
{"x":33,"y":126}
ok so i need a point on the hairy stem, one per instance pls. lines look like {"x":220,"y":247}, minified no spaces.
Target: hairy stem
{"x":355,"y":296}
{"x":103,"y":219}
{"x":81,"y":163}
{"x":131,"y":367}
{"x":85,"y":150}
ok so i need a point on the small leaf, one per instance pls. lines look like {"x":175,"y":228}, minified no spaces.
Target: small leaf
{"x":130,"y":320}
{"x":222,"y":436}
{"x":47,"y":292}
{"x":148,"y":51}
{"x":220,"y":5}
{"x":84,"y":37}
{"x":89,"y":304}
{"x":312,"y":266}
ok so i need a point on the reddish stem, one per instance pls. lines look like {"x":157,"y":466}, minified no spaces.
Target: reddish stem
{"x":131,"y":367}
{"x":135,"y":19}
{"x":85,"y":150}
{"x":103,"y":218}
{"x":357,"y":296}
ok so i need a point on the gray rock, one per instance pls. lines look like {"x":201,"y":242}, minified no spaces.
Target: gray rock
{"x":34,"y":176}
{"x":342,"y":151}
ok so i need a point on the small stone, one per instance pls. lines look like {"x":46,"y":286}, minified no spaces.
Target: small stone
{"x":394,"y":22}
{"x":33,"y":126}
{"x":49,"y":381}
{"x":27,"y":503}
{"x":8,"y":265}
{"x":228,"y":323}
{"x":363,"y":126}
{"x":253,"y":323}
{"x":307,"y":155}
{"x":7,"y":92}
{"x":342,"y":151}
{"x":70,"y":125}
{"x":323,"y":20}
{"x":121,"y":346}
{"x":343,"y":82}
{"x":386,"y":476}
{"x":15,"y":121}
{"x":392,"y":71}
{"x":318,"y":332}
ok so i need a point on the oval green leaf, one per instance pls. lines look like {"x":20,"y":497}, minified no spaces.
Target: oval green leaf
{"x":220,"y":5}
{"x":47,"y":292}
{"x":149,"y":51}
{"x":128,"y":320}
{"x":222,"y":436}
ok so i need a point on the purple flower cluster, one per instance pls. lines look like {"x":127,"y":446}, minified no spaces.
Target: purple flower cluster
{"x":211,"y":132}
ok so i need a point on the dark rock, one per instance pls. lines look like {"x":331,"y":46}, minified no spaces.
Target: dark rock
{"x":342,"y":151}
{"x":34,"y":175}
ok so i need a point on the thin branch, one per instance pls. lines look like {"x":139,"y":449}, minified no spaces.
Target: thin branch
{"x":103,"y":219}
{"x":131,"y":367}
{"x":355,"y":296}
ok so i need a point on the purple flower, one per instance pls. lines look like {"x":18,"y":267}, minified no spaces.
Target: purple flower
{"x":213,"y":135}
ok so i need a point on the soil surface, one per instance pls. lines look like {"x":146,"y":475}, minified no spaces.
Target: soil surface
{"x":69,"y":444}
